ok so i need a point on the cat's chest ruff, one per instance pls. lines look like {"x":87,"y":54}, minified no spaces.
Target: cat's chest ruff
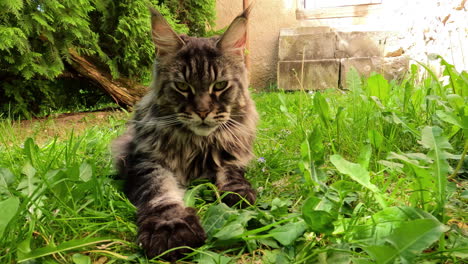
{"x":190,"y":158}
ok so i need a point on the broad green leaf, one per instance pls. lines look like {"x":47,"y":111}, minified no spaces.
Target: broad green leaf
{"x":209,"y":257}
{"x":30,"y":150}
{"x":86,"y":172}
{"x":315,"y":140}
{"x":280,"y":207}
{"x":251,"y":244}
{"x":319,"y":221}
{"x":269,"y":257}
{"x":379,"y":226}
{"x":275,"y":257}
{"x":322,"y":108}
{"x":334,"y":257}
{"x":403,"y":157}
{"x":411,"y":238}
{"x":375,"y":138}
{"x":384,"y":222}
{"x":364,"y":156}
{"x":6,"y":178}
{"x":345,"y":190}
{"x":377,"y":102}
{"x":216,"y":217}
{"x":316,"y":203}
{"x":81,"y":259}
{"x":392,"y":165}
{"x":305,"y":164}
{"x":424,"y":184}
{"x":73,"y":173}
{"x":312,"y":153}
{"x":8,"y":209}
{"x":433,"y":139}
{"x":353,"y":80}
{"x":269,"y":242}
{"x":235,"y":227}
{"x":24,"y":247}
{"x":464,"y":194}
{"x":451,"y":117}
{"x":289,"y":232}
{"x":357,"y":172}
{"x":230,"y":231}
{"x":407,"y":126}
{"x":63,"y":247}
{"x":190,"y":195}
{"x":413,"y":213}
{"x":449,"y":70}
{"x":28,"y":184}
{"x":382,"y":254}
{"x":456,"y":101}
{"x":283,"y":105}
{"x":356,"y":260}
{"x":378,"y":86}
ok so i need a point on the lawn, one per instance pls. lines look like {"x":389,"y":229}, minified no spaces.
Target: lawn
{"x":376,"y":173}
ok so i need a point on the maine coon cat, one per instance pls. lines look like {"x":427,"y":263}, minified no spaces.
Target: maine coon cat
{"x":198,"y":121}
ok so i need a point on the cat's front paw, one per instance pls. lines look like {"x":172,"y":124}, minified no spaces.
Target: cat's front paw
{"x":158,"y":234}
{"x":237,"y":192}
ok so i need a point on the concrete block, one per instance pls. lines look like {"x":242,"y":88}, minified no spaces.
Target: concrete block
{"x":366,"y":43}
{"x":305,"y":30}
{"x":307,"y":47}
{"x":391,"y":68}
{"x":395,"y":68}
{"x":308,"y":75}
{"x":360,"y":44}
{"x":364,"y":66}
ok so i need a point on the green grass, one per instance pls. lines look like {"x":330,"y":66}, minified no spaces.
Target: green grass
{"x":376,"y":174}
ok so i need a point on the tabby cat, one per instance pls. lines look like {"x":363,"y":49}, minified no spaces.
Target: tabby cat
{"x":198,"y":121}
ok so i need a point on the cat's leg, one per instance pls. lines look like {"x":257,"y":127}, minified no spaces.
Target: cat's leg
{"x":231,"y":179}
{"x":163,"y":220}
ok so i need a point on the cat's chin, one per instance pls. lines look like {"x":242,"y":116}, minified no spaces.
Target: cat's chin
{"x":203,"y":130}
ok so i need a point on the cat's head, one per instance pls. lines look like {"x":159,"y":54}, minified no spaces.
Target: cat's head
{"x":200,"y":83}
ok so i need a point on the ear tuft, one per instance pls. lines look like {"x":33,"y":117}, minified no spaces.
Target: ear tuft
{"x":235,"y":37}
{"x":164,"y":37}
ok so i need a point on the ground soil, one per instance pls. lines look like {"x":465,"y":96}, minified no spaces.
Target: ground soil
{"x":62,"y":125}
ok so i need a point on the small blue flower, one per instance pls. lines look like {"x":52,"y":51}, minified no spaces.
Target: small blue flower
{"x":261,"y":160}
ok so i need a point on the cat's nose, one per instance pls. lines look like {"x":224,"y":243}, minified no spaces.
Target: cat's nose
{"x":203,"y":114}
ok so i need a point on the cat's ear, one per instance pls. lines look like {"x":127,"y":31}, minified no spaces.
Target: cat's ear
{"x":164,"y":37}
{"x":235,"y":37}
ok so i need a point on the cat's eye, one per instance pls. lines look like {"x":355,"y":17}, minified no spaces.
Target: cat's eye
{"x":183,"y":87}
{"x":219,"y":86}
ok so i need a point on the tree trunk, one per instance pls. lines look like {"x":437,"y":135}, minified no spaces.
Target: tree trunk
{"x":124,"y":91}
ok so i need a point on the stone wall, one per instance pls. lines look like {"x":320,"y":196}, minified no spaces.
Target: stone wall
{"x":315,"y":58}
{"x":420,"y":28}
{"x":266,"y":20}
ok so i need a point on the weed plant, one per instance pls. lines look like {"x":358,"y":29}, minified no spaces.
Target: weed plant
{"x":373,"y":174}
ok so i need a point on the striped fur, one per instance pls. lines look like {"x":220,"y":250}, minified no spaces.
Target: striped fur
{"x":198,"y":121}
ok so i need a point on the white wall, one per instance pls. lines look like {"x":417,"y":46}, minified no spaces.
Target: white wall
{"x":420,"y":23}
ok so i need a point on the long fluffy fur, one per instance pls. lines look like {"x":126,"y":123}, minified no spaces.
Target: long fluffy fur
{"x":164,"y":148}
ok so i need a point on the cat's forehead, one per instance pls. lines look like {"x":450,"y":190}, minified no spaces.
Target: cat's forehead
{"x":199,"y":47}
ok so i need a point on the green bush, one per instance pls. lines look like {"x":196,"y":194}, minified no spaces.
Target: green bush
{"x":36,"y":36}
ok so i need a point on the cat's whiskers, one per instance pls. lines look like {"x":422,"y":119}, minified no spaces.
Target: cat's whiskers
{"x":162,"y":121}
{"x":245,"y":129}
{"x":246,"y":117}
{"x":228,"y":127}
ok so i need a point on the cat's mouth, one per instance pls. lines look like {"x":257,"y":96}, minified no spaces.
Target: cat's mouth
{"x":203,"y":129}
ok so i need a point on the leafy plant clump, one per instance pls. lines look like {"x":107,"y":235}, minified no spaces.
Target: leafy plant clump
{"x":38,"y":37}
{"x":376,"y":174}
